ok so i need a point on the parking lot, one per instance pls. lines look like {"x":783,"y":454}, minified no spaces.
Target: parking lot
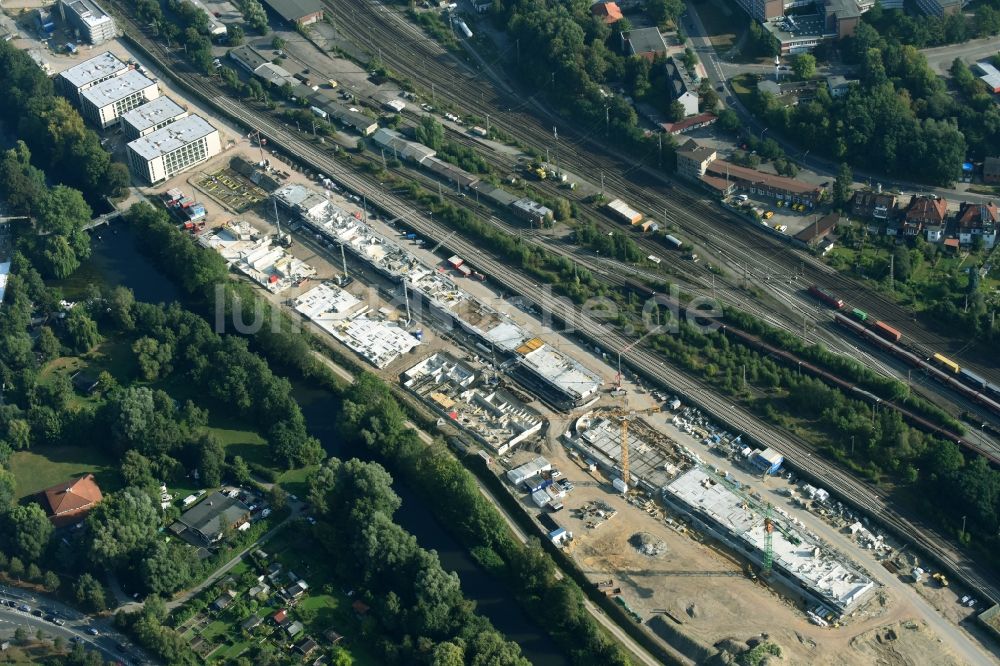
{"x":782,"y":216}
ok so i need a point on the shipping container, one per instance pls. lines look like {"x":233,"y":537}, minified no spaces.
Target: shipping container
{"x":886,"y":331}
{"x":465,"y":270}
{"x":826,"y":297}
{"x":946,"y":363}
{"x":973,"y":379}
{"x":319,"y":112}
{"x":479,"y":131}
{"x":455,"y":261}
{"x":860,"y":315}
{"x":463,"y":28}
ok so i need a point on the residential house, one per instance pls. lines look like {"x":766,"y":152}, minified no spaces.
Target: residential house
{"x":223,"y":600}
{"x":681,"y":87}
{"x":839,"y":85}
{"x":866,"y":204}
{"x":976,"y":219}
{"x":332,"y":636}
{"x":297,"y":590}
{"x":251,"y":622}
{"x":68,"y":503}
{"x":306,"y":646}
{"x":294,"y":629}
{"x":923,"y":211}
{"x":281,"y":617}
{"x":818,"y":230}
{"x":991,"y":170}
{"x":259,"y":590}
{"x":644,"y":42}
{"x":609,"y":12}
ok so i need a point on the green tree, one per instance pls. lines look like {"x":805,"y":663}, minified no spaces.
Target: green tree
{"x":165,"y":568}
{"x":50,"y":581}
{"x":47,"y":344}
{"x":675,"y":111}
{"x":429,"y":132}
{"x":137,"y":470}
{"x":240,"y":471}
{"x":81,"y":330}
{"x":235,"y":35}
{"x":121,"y":527}
{"x":121,"y":305}
{"x":89,"y":593}
{"x":804,"y":65}
{"x":211,"y":460}
{"x":29,"y":530}
{"x":153,"y":357}
{"x":15,"y":567}
{"x":842,"y":187}
{"x":902,"y":266}
{"x":8,"y":488}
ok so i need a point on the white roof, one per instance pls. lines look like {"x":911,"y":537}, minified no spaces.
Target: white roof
{"x":172,"y":137}
{"x":839,"y":581}
{"x":561,"y":371}
{"x":152,"y":113}
{"x":96,"y":68}
{"x":991,"y":76}
{"x":88,"y":12}
{"x":112,"y":90}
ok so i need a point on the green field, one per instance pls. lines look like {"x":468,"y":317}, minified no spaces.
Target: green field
{"x":46,"y":466}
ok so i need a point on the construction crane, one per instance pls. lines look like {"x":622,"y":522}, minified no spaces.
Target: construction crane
{"x":769,"y":525}
{"x":623,"y":414}
{"x":768,"y":540}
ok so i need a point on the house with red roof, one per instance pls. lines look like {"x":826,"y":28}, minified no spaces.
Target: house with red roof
{"x":69,"y":502}
{"x":977,"y":219}
{"x":608,"y":12}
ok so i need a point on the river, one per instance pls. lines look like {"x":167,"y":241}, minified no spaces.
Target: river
{"x":116,"y":261}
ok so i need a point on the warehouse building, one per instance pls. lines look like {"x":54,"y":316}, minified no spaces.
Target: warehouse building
{"x":150,"y":117}
{"x":90,"y":73}
{"x":299,"y":12}
{"x":91,"y":23}
{"x":105,"y":102}
{"x":247,"y":57}
{"x":171,"y":149}
{"x":532,"y":211}
{"x":800,"y":561}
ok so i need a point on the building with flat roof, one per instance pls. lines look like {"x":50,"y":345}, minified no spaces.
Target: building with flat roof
{"x":940,"y":7}
{"x":693,"y":160}
{"x":990,"y":75}
{"x":644,"y":42}
{"x":803,"y":563}
{"x":247,"y":57}
{"x":91,"y":23}
{"x":842,"y":17}
{"x":762,"y":10}
{"x":105,"y":102}
{"x":150,"y":117}
{"x":171,"y":149}
{"x":532,"y":211}
{"x":572,"y":381}
{"x":765,"y":184}
{"x":89,"y":73}
{"x":299,"y":12}
{"x":216,"y":28}
{"x":393,"y":141}
{"x":206,"y":522}
{"x":991,"y":170}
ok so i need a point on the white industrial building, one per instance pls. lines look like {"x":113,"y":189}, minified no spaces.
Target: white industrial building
{"x":89,"y":73}
{"x":150,"y":117}
{"x":378,"y":341}
{"x":105,"y":102}
{"x":254,"y":255}
{"x":91,"y":23}
{"x":519,"y":475}
{"x":171,"y":149}
{"x":802,"y":561}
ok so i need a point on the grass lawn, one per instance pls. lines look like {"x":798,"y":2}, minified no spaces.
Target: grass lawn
{"x":45,"y":466}
{"x":295,"y":481}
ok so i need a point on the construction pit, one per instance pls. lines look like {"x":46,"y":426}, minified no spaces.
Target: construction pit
{"x":696,"y":595}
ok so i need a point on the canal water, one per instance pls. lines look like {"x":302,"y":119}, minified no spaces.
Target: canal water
{"x":116,"y":261}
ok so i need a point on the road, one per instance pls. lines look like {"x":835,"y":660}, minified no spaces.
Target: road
{"x":941,"y":57}
{"x":75,"y":628}
{"x":715,"y":69}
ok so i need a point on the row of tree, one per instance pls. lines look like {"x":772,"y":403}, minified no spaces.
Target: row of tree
{"x":54,"y":132}
{"x":371,"y":417}
{"x":874,"y":442}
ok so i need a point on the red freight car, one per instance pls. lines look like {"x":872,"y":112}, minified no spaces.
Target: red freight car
{"x":826,"y":297}
{"x":886,"y":331}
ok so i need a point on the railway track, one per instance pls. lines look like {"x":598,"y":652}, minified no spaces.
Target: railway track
{"x":801,"y":454}
{"x":744,"y":247}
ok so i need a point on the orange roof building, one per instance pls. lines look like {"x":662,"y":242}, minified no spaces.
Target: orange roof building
{"x":609,"y":12}
{"x":69,"y":502}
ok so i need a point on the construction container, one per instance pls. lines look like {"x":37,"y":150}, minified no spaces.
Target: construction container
{"x":620,"y":486}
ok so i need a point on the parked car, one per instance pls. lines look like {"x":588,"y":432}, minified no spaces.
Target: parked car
{"x":93,"y":631}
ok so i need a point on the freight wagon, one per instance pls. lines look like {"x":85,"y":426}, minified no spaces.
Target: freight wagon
{"x":826,"y":297}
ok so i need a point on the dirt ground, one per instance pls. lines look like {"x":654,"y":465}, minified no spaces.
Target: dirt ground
{"x":703,"y":590}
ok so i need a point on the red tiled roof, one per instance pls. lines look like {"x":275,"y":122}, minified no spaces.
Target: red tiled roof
{"x":974,"y":215}
{"x":927,"y":209}
{"x":280,"y":616}
{"x":717,"y":184}
{"x":609,"y":11}
{"x":722,"y":169}
{"x":687,"y":123}
{"x":73,"y":496}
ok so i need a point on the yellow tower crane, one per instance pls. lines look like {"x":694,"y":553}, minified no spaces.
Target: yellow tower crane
{"x":623,"y":414}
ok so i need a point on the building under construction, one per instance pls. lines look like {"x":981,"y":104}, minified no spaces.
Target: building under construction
{"x":654,"y":458}
{"x":798,"y":559}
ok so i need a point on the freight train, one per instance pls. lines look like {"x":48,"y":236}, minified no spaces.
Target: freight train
{"x":942,"y":368}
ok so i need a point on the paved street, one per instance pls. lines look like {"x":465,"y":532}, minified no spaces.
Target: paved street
{"x":941,"y":57}
{"x":75,"y":628}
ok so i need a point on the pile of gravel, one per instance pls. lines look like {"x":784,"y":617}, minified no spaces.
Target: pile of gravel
{"x":647,"y":544}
